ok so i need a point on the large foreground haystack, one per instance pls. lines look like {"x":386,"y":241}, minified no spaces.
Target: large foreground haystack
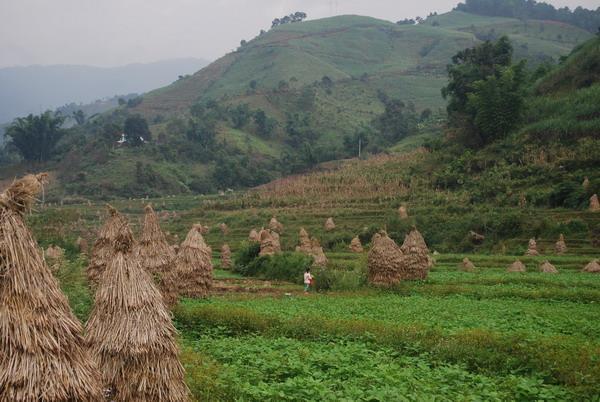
{"x":102,"y":250}
{"x":269,"y":242}
{"x":329,"y":224}
{"x":532,"y":248}
{"x":154,"y":252}
{"x":414,"y":244}
{"x":275,"y":225}
{"x":384,"y":261}
{"x":130,"y":332}
{"x":467,"y":266}
{"x":42,"y":352}
{"x":516,"y":266}
{"x":356,"y":245}
{"x":193,"y":273}
{"x":560,"y":247}
{"x":593,"y":267}
{"x":548,"y":268}
{"x":594,"y":203}
{"x":253,"y":236}
{"x":225,"y":256}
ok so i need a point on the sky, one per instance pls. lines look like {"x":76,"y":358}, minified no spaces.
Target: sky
{"x":117,"y":32}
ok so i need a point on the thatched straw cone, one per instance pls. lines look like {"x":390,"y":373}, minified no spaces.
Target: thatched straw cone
{"x":320,"y":259}
{"x":42,"y":352}
{"x":55,"y":257}
{"x":82,"y":245}
{"x":402,"y":212}
{"x":522,"y":200}
{"x":329,"y":224}
{"x":560,"y":247}
{"x":516,"y":266}
{"x":467,"y":266}
{"x":224,"y":229}
{"x":103,"y":248}
{"x":356,"y":245}
{"x":414,"y":243}
{"x":548,"y":268}
{"x":305,"y":244}
{"x":225,"y":257}
{"x":586,"y":183}
{"x":269,"y":242}
{"x":253,"y":236}
{"x":193,"y":273}
{"x":154,"y":252}
{"x":532,"y":248}
{"x":594,"y":203}
{"x":203,"y":229}
{"x":593,"y":267}
{"x":130,"y":332}
{"x":384,"y":261}
{"x":275,"y":225}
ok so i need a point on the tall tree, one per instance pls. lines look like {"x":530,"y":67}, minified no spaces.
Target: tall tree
{"x":136,"y":130}
{"x":35,"y":137}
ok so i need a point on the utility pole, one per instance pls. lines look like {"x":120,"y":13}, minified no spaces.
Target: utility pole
{"x":359,"y":146}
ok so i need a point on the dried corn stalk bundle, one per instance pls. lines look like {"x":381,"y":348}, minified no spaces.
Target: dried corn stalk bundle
{"x":548,"y":268}
{"x":193,"y":273}
{"x":82,"y":245}
{"x":592,"y":267}
{"x":384,"y":261}
{"x":402,"y":212}
{"x":130,"y":332}
{"x":225,"y":256}
{"x":153,"y":251}
{"x":253,"y":236}
{"x":224,"y":229}
{"x":275,"y":225}
{"x":560,"y":247}
{"x":269,"y":242}
{"x":516,"y":266}
{"x":467,"y":266}
{"x":532,"y":248}
{"x":414,"y":243}
{"x":329,"y":224}
{"x":356,"y":245}
{"x":594,"y":203}
{"x":304,"y":241}
{"x":55,"y":256}
{"x":42,"y":352}
{"x":316,"y":251}
{"x":103,"y":248}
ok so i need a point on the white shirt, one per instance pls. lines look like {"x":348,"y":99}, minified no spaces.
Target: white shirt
{"x":307,"y":278}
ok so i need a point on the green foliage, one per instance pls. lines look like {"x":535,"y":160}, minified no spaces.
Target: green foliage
{"x":282,"y":266}
{"x":245,"y":254}
{"x":136,"y":131}
{"x":35,"y":137}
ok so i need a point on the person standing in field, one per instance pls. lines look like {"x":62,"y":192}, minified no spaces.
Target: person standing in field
{"x":308,"y":279}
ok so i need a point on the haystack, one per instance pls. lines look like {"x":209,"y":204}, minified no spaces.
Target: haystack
{"x":253,"y":236}
{"x":516,"y":266}
{"x":522,"y":200}
{"x":102,"y":250}
{"x":130,"y":332}
{"x":154,"y":252}
{"x":548,"y":268}
{"x":42,"y":352}
{"x":329,"y":224}
{"x":560,"y":247}
{"x":54,"y":256}
{"x":384,"y":261}
{"x":402,"y":212}
{"x":225,"y":257}
{"x":304,"y":241}
{"x":356,"y":245}
{"x":414,"y":243}
{"x":586,"y":183}
{"x":593,"y":267}
{"x":82,"y":245}
{"x":594,"y":203}
{"x":275,"y":225}
{"x":224,"y":229}
{"x":316,"y":251}
{"x":193,"y":273}
{"x":467,"y":266}
{"x":269,"y":242}
{"x":204,"y":229}
{"x":532,"y":248}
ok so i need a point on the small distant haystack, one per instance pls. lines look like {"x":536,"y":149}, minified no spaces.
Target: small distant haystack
{"x":414,"y":243}
{"x":153,"y":250}
{"x":320,"y":259}
{"x":586,"y":183}
{"x":467,"y":266}
{"x":253,"y":236}
{"x":516,"y":266}
{"x":130,"y":332}
{"x":55,"y":256}
{"x":476,"y":238}
{"x":329,"y":224}
{"x":42,"y":351}
{"x":402,"y":212}
{"x":275,"y":225}
{"x":269,"y":242}
{"x":532,"y":248}
{"x":224,"y":229}
{"x":102,"y":251}
{"x":193,"y":273}
{"x":82,"y":245}
{"x":548,"y":268}
{"x":522,"y":200}
{"x":356,"y":245}
{"x":225,"y":257}
{"x":203,"y":229}
{"x":304,"y":241}
{"x":592,"y":267}
{"x":594,"y":203}
{"x":560,"y":247}
{"x":384,"y":261}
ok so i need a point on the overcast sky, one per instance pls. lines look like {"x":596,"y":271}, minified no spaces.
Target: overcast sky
{"x":117,"y":32}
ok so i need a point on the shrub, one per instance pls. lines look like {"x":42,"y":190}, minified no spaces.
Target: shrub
{"x":245,"y":255}
{"x":286,"y":266}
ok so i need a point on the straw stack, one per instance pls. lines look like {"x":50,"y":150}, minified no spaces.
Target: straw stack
{"x":55,"y":256}
{"x":275,"y":226}
{"x":224,"y":229}
{"x":560,"y":247}
{"x":593,"y":267}
{"x":269,"y":242}
{"x":225,"y":257}
{"x":548,"y":268}
{"x":130,"y":332}
{"x":193,"y":273}
{"x":516,"y":266}
{"x":42,"y":351}
{"x":586,"y":183}
{"x":384,"y":261}
{"x":253,"y":236}
{"x":356,"y":246}
{"x":304,"y":241}
{"x":402,"y":212}
{"x":102,"y":250}
{"x":594,"y":203}
{"x":316,"y":251}
{"x":329,"y":224}
{"x":153,"y":251}
{"x":82,"y":245}
{"x":417,"y":260}
{"x":467,"y":265}
{"x":532,"y":248}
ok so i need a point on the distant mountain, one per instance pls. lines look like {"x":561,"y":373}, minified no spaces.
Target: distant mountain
{"x":31,"y":89}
